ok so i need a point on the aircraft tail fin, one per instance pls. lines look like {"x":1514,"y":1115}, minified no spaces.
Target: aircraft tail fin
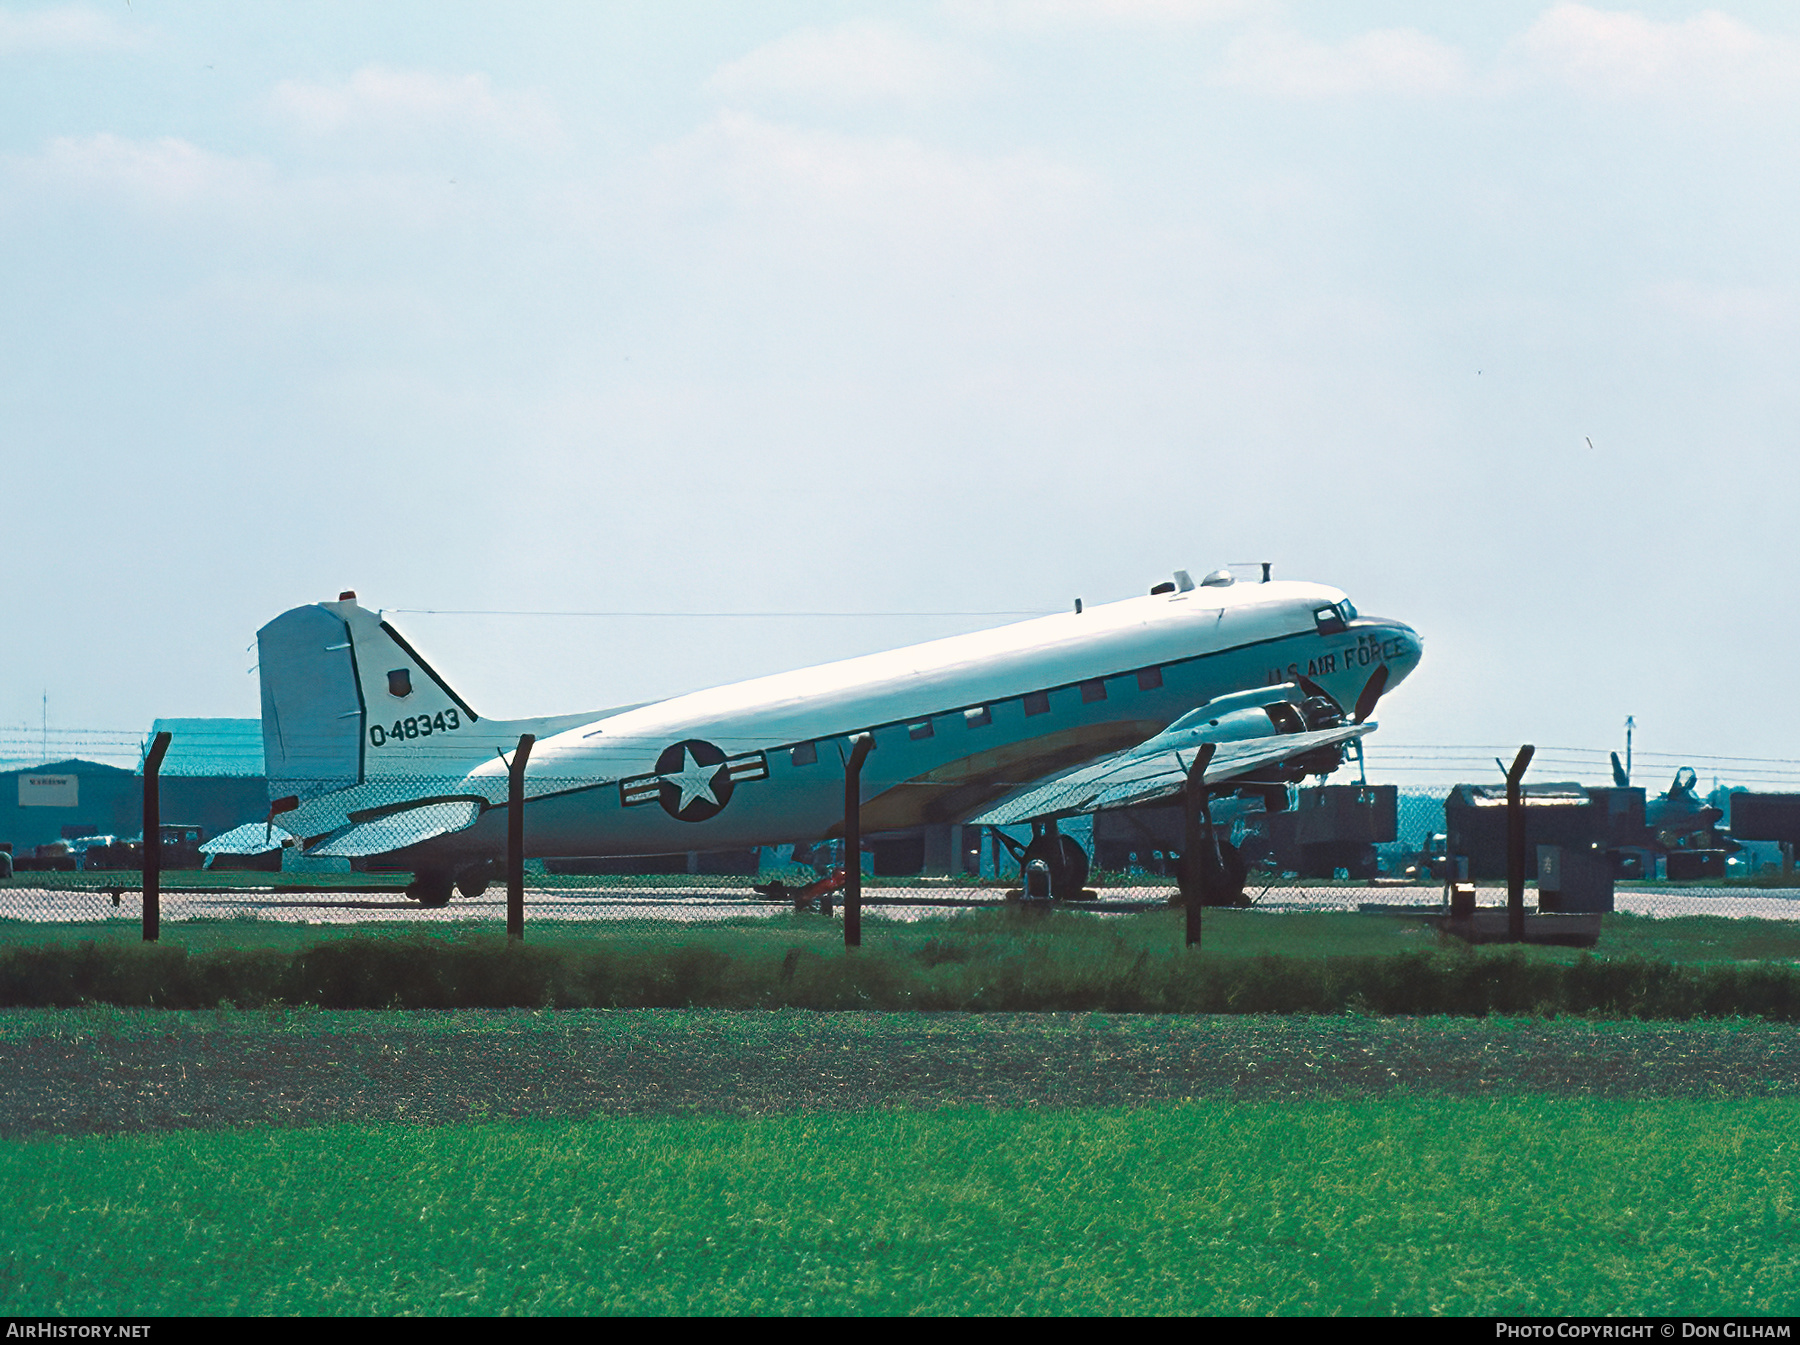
{"x":345,"y":698}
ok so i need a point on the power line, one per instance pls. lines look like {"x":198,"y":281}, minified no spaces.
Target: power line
{"x":1600,"y":754}
{"x":446,"y":611}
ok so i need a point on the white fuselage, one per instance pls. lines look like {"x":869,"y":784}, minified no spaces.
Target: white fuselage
{"x":956,"y":723}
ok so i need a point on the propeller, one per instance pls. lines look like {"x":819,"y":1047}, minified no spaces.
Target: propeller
{"x":1321,"y":709}
{"x":1312,"y":688}
{"x":1371,"y":692}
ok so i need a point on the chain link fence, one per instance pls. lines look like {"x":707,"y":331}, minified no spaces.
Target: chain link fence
{"x":418,"y":852}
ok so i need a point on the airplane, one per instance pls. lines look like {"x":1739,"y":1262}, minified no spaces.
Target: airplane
{"x":370,"y":752}
{"x":1679,"y":820}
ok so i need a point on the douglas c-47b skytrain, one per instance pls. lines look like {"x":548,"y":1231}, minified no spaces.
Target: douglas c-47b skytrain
{"x":370,"y":752}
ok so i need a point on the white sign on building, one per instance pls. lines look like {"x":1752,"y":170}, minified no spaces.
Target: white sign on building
{"x":49,"y":791}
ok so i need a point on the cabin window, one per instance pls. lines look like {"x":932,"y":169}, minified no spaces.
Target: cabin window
{"x":805,"y":754}
{"x":1149,"y":679}
{"x":978,"y":717}
{"x":1330,"y":620}
{"x":919,"y":731}
{"x":1093,"y":691}
{"x":1037,"y":703}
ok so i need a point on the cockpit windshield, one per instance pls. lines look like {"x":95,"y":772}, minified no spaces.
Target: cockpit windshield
{"x":1334,"y":618}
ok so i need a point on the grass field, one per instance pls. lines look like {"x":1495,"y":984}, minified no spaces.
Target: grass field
{"x":1228,"y":933}
{"x":989,"y":960}
{"x":691,"y":1161}
{"x":681,"y":1161}
{"x":1517,"y":1206}
{"x":110,"y":1071}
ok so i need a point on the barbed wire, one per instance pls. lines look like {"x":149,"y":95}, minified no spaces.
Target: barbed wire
{"x":761,"y":616}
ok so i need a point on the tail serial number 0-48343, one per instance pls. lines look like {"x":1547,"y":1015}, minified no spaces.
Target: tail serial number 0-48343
{"x":414,"y":726}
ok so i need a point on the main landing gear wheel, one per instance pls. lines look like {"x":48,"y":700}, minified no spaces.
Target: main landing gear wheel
{"x":1068,"y":864}
{"x":1228,"y":883}
{"x":430,"y":890}
{"x":474,"y":880}
{"x":1225,"y":885}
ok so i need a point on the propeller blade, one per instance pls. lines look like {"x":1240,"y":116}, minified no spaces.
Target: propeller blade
{"x":1371,"y":692}
{"x":1620,"y":778}
{"x":1312,"y":688}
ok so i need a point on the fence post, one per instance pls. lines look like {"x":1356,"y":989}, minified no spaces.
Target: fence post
{"x":1515,"y":845}
{"x":1197,"y":854}
{"x":515,"y":837}
{"x":153,"y":760}
{"x":859,"y":753}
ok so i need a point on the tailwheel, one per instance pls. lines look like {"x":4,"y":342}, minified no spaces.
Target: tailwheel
{"x":431,"y":888}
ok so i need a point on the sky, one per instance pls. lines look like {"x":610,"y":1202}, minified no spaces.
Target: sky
{"x":1488,"y":315}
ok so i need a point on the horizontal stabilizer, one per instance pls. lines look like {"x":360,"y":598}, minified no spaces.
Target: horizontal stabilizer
{"x":253,"y":838}
{"x":397,"y":830}
{"x":353,"y":715}
{"x":1157,"y":769}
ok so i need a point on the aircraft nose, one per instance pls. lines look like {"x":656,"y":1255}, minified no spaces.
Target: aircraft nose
{"x":1401,"y":648}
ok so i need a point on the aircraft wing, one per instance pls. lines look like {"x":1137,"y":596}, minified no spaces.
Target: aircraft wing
{"x":253,"y":838}
{"x":372,"y":833}
{"x":400,"y":828}
{"x":1157,"y":769}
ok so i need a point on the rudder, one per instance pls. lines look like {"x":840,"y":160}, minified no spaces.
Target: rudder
{"x":346,"y":697}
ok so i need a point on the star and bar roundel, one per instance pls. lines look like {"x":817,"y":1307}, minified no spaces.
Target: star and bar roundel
{"x":693,"y":780}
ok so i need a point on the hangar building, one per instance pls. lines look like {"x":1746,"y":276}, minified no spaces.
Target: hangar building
{"x":212,"y":778}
